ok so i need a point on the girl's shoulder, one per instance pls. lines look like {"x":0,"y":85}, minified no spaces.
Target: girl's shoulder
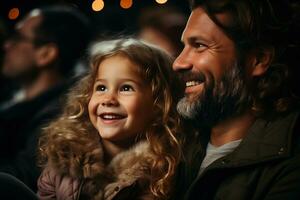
{"x":53,"y":185}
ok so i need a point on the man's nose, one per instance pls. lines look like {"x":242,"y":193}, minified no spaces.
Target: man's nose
{"x":182,"y":62}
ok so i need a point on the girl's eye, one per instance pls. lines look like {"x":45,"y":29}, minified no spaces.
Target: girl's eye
{"x":127,"y":88}
{"x":100,"y":88}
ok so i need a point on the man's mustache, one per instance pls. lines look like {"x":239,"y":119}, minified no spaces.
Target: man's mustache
{"x":185,"y":76}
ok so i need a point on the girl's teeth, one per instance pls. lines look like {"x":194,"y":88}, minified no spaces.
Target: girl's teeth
{"x":111,"y":116}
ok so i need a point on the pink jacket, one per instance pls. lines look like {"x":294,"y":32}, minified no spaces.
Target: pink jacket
{"x":125,"y":177}
{"x":51,"y":185}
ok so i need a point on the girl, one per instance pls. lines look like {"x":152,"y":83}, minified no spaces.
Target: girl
{"x":116,"y":138}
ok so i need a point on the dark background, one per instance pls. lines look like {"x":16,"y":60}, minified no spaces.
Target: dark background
{"x":112,"y":18}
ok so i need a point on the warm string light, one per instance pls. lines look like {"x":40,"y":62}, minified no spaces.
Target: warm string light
{"x":161,"y":1}
{"x":13,"y":13}
{"x":125,"y":3}
{"x":98,"y":5}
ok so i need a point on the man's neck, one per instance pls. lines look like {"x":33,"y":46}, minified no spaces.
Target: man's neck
{"x":231,"y":129}
{"x":42,"y":83}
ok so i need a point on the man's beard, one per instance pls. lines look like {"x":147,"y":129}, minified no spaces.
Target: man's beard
{"x":218,"y":101}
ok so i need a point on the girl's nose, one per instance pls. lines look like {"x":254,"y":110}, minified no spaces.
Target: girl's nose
{"x":109,"y":101}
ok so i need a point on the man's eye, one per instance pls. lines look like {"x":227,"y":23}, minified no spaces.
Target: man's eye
{"x":100,"y":88}
{"x":199,"y":45}
{"x":127,"y":88}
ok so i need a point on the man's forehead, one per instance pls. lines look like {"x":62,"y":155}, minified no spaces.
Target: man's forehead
{"x":225,"y":18}
{"x":200,"y":24}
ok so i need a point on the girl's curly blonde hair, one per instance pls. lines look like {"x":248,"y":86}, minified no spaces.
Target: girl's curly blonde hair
{"x":75,"y":127}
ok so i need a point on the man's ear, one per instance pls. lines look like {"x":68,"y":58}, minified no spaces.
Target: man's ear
{"x":261,"y":60}
{"x":47,"y":54}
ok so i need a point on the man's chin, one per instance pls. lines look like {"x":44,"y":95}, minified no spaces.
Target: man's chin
{"x":187,"y":107}
{"x":191,"y":97}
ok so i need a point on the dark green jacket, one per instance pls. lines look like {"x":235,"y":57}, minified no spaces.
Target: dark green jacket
{"x":266,"y":165}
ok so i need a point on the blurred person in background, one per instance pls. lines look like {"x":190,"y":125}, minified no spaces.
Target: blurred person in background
{"x":162,"y":27}
{"x":2,"y":36}
{"x":5,"y":86}
{"x":40,"y":57}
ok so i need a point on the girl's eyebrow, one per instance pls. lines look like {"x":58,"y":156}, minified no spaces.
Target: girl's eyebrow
{"x":99,"y":80}
{"x":122,"y":80}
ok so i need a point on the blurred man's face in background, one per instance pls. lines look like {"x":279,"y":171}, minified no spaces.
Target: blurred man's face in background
{"x":157,"y":38}
{"x":20,"y":52}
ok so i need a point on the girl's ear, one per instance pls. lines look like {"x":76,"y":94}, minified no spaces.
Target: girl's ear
{"x":260,"y":61}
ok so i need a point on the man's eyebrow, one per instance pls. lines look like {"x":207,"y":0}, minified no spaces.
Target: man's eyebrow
{"x":194,"y":37}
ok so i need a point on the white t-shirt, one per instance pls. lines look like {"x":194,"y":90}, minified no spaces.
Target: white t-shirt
{"x":213,"y":153}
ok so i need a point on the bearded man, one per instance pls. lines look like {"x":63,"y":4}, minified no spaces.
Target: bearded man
{"x":235,"y":66}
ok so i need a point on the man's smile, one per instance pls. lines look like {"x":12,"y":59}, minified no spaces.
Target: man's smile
{"x":193,"y":87}
{"x":192,"y":83}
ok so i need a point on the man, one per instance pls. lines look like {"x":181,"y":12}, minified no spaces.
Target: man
{"x":234,"y":68}
{"x":40,"y":57}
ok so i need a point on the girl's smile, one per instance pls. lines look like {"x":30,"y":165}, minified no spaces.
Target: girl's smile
{"x":121,"y":104}
{"x":111,"y":118}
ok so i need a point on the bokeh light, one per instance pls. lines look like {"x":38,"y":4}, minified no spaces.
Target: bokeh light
{"x":126,"y":4}
{"x":13,"y":13}
{"x":98,"y":5}
{"x":161,"y":1}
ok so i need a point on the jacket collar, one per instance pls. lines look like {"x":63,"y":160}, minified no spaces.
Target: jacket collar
{"x":266,"y":140}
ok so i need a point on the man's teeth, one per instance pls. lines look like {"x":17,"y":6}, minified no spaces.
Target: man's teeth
{"x":192,"y":83}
